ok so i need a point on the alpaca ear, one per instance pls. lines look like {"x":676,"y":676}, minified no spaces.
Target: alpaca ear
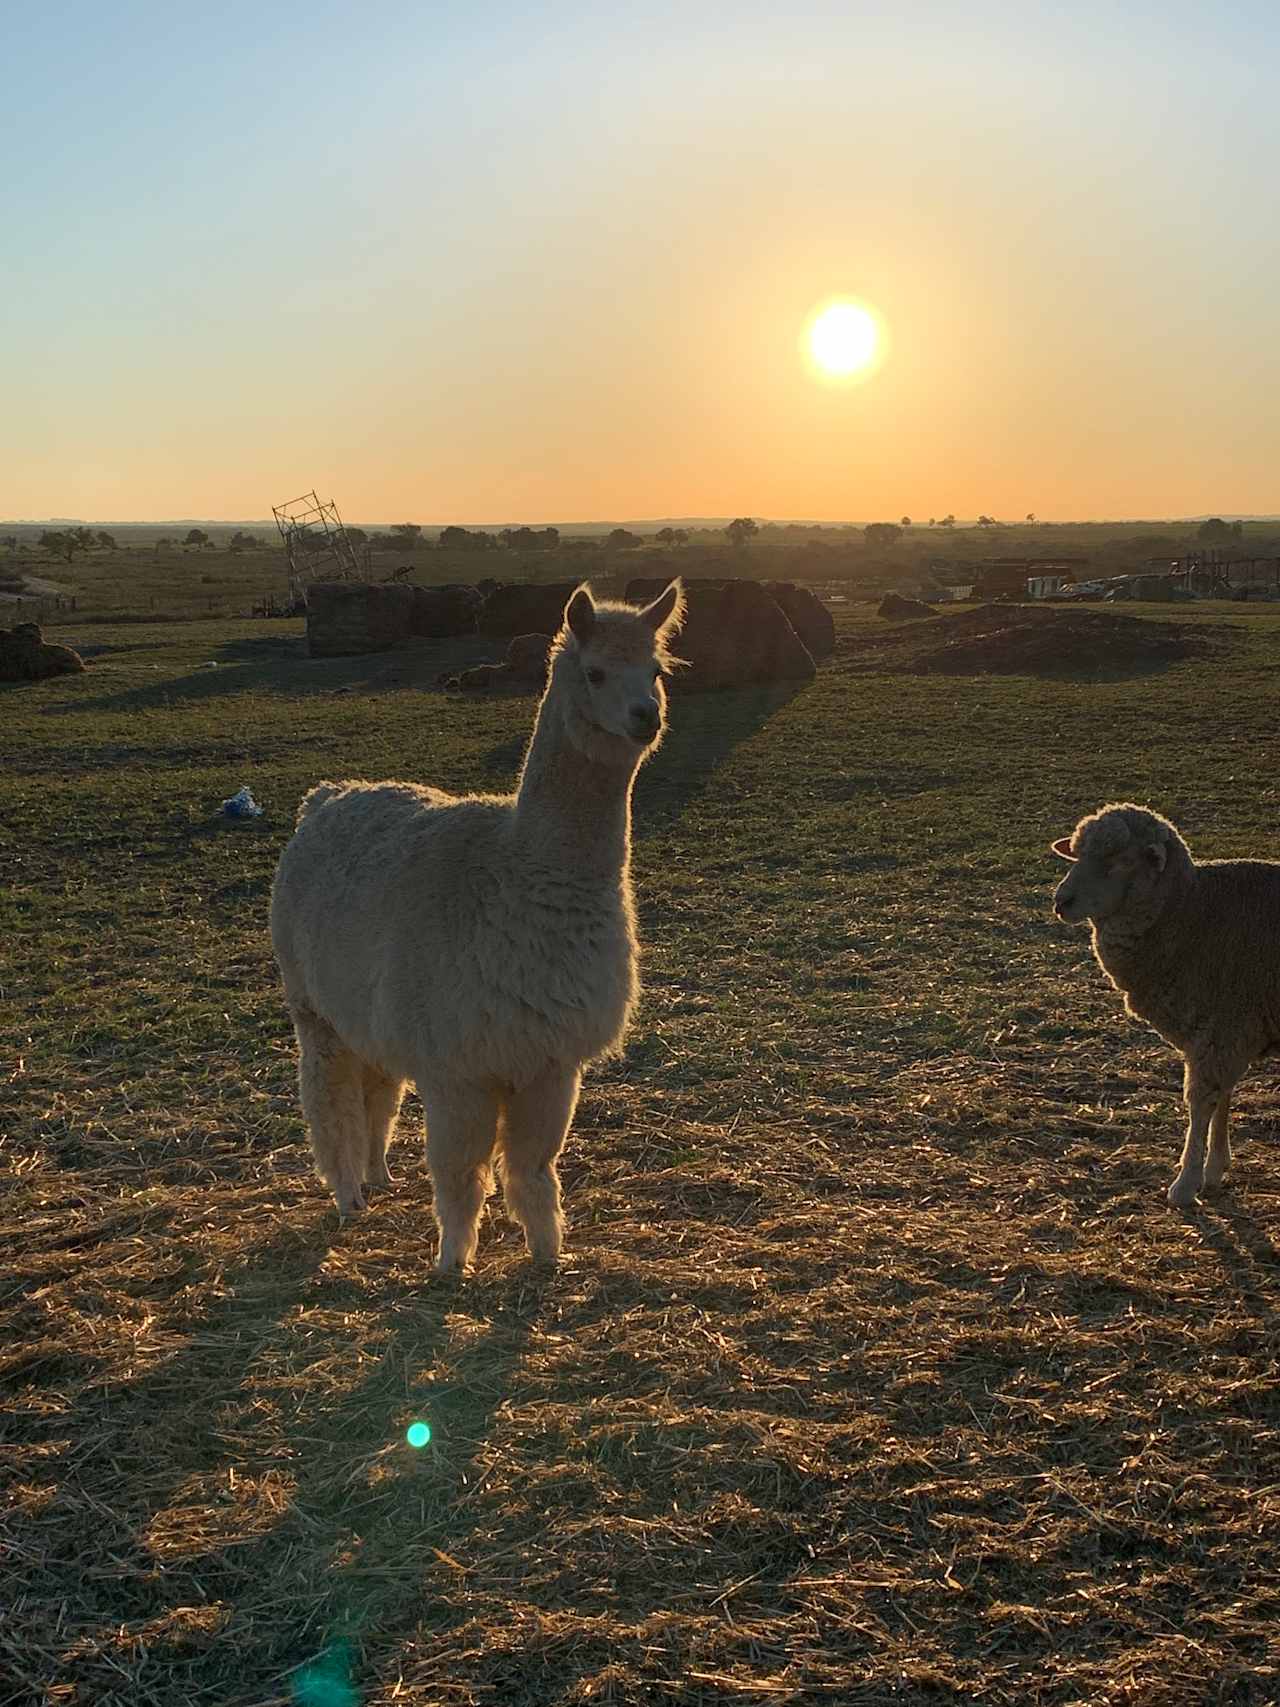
{"x":1062,"y":847}
{"x":580,"y":615}
{"x":1156,"y":855}
{"x":667,"y":610}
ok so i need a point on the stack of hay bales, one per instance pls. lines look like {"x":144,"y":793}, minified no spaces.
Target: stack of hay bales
{"x":26,"y":656}
{"x":735,"y":634}
{"x":440,"y":613}
{"x":521,"y":608}
{"x":345,"y":618}
{"x":807,"y":614}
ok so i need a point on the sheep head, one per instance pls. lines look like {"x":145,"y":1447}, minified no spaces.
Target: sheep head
{"x":1121,"y":857}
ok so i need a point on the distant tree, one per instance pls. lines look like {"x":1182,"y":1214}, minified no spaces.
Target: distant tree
{"x":665,"y":536}
{"x":1031,"y":515}
{"x":1214,"y":528}
{"x":85,"y":538}
{"x":357,"y":537}
{"x":550,"y":539}
{"x":454,"y":539}
{"x":164,"y":543}
{"x":905,"y":522}
{"x":932,"y":522}
{"x":407,"y":535}
{"x":881,"y":534}
{"x":530,"y":539}
{"x":742,"y":529}
{"x":62,"y":545}
{"x":241,"y":541}
{"x":196,"y":536}
{"x":106,"y":540}
{"x":622,"y":539}
{"x":986,"y":521}
{"x":947,"y":522}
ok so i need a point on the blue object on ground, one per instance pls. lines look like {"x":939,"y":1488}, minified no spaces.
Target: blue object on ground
{"x":241,"y":805}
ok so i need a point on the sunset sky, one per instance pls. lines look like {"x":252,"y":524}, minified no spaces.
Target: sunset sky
{"x":520,"y":262}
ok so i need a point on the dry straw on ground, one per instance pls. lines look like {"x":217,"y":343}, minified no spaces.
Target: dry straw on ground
{"x":877,"y":1371}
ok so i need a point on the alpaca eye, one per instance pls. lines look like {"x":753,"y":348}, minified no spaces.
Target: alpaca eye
{"x":595,"y":676}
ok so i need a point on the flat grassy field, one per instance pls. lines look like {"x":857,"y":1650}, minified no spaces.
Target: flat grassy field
{"x":878,"y":1370}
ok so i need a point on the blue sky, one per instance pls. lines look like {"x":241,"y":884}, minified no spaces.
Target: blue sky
{"x":547,"y":263}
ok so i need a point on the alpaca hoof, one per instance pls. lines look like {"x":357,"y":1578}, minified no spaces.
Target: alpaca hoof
{"x":1183,"y":1194}
{"x":349,"y":1203}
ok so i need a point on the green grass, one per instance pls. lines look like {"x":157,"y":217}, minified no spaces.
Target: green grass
{"x":877,"y":1370}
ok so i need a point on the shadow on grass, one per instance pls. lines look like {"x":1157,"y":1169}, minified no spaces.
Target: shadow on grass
{"x":151,"y":1484}
{"x":1249,"y":1259}
{"x":280,"y":665}
{"x":703,"y":731}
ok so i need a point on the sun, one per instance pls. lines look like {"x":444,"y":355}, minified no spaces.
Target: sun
{"x":844,"y":340}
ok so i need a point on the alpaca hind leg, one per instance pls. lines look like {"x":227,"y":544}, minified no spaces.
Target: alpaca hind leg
{"x":462,"y":1127}
{"x":382,"y":1097}
{"x":1215,"y":1169}
{"x":330,"y":1078}
{"x":534,"y":1126}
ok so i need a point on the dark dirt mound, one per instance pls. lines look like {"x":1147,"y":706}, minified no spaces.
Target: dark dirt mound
{"x":895,"y":607}
{"x":1031,"y":640}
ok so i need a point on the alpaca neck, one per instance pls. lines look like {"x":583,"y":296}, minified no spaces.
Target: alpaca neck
{"x":573,"y":805}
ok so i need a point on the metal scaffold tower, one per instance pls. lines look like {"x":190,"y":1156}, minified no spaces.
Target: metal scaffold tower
{"x":316,"y":545}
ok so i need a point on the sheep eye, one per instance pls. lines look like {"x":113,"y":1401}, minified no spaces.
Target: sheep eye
{"x":595,"y":676}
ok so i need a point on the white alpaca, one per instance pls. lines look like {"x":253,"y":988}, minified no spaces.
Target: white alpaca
{"x":484,"y":948}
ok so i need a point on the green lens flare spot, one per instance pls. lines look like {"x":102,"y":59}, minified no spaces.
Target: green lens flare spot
{"x":418,"y":1434}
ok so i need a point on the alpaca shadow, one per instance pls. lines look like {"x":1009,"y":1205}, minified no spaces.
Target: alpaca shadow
{"x":125,"y":1430}
{"x":704,"y":729}
{"x":417,"y":1507}
{"x":345,"y":1448}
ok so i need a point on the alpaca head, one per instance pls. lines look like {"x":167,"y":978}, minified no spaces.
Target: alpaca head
{"x":608,"y":669}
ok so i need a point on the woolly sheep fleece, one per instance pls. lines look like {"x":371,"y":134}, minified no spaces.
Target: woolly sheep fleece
{"x":1194,"y":947}
{"x":482,"y":947}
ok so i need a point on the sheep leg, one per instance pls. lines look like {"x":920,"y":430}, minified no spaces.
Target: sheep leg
{"x":1202,"y":1099}
{"x":330,"y":1078}
{"x":535,"y":1123}
{"x":382,"y":1096}
{"x":1219,"y":1161}
{"x":462,"y":1127}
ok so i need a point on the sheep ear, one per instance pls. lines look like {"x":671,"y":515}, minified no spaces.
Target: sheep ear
{"x":1062,"y":847}
{"x":580,"y":614}
{"x":1156,"y":855}
{"x":667,"y":610}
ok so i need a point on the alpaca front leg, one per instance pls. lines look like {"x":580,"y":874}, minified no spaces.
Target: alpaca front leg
{"x":1215,"y":1169}
{"x":1202,"y":1099}
{"x":462,"y":1127}
{"x":535,"y":1123}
